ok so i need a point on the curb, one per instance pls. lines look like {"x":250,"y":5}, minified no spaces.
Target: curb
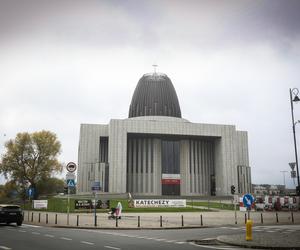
{"x":221,"y":239}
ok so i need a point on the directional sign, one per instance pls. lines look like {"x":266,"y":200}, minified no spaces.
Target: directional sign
{"x":71,"y":183}
{"x":248,"y":200}
{"x":71,"y":167}
{"x":30,"y":192}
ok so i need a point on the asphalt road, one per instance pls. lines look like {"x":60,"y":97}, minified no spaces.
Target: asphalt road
{"x":38,"y":237}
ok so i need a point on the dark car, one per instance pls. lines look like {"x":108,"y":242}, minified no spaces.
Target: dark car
{"x":11,"y":214}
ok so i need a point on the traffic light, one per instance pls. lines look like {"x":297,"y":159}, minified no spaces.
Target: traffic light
{"x":232,"y":189}
{"x":298,"y":190}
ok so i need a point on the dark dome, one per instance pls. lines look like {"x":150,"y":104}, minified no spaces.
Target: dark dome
{"x":154,"y":95}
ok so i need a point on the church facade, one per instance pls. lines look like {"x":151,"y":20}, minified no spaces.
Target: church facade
{"x":155,"y":152}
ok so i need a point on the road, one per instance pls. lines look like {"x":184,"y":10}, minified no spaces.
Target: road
{"x":38,"y":237}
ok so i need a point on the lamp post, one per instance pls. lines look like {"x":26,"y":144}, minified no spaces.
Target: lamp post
{"x":294,"y":98}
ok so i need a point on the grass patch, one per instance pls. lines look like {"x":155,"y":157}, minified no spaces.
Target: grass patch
{"x":59,"y":205}
{"x":217,"y":205}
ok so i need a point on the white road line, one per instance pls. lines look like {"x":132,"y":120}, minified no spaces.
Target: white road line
{"x":22,"y":231}
{"x":64,"y":238}
{"x":170,"y":241}
{"x":160,"y":239}
{"x":179,"y":242}
{"x":116,"y":248}
{"x":86,"y":242}
{"x":49,"y":235}
{"x":5,"y":248}
{"x":212,"y":247}
{"x":27,"y":225}
{"x":36,"y":233}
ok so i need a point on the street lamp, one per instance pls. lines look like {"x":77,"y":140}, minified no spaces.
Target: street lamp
{"x":295,"y":98}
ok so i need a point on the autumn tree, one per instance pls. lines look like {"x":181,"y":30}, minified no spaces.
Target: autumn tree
{"x":30,"y":158}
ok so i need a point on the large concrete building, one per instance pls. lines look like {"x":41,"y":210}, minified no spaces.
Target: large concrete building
{"x":156,"y":152}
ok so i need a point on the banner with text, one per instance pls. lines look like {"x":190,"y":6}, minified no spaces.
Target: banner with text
{"x":159,"y":203}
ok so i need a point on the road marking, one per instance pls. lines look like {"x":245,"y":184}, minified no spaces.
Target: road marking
{"x":214,"y":247}
{"x":4,"y":247}
{"x":159,"y":239}
{"x":49,"y":235}
{"x":179,"y":242}
{"x":86,"y":242}
{"x":116,"y":248}
{"x":27,"y":225}
{"x":22,"y":231}
{"x":170,"y":241}
{"x":270,"y":231}
{"x":64,"y":238}
{"x":36,"y":233}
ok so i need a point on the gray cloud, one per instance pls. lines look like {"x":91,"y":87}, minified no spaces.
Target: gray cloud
{"x":69,"y":62}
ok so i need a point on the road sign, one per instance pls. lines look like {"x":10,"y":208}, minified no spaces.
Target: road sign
{"x":70,"y":176}
{"x":96,"y":186}
{"x":71,"y":183}
{"x":248,"y":200}
{"x":30,"y":192}
{"x":292,"y":165}
{"x":71,"y":167}
{"x":293,"y":174}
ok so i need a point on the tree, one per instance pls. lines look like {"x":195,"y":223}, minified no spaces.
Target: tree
{"x":30,"y":158}
{"x":51,"y":186}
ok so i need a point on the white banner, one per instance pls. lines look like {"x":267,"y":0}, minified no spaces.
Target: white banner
{"x":170,"y":176}
{"x":39,"y":204}
{"x":159,"y":203}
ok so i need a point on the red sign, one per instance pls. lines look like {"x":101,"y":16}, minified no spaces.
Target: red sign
{"x":170,"y":181}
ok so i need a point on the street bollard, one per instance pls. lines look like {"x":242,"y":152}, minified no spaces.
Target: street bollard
{"x":292,"y":217}
{"x":32,"y":217}
{"x":182,"y":222}
{"x":261,"y":218}
{"x":39,"y":217}
{"x":139,"y":221}
{"x":249,"y":224}
{"x":46,"y":218}
{"x":95,"y":220}
{"x":117,"y":221}
{"x":245,"y":218}
{"x":201,"y":220}
{"x":77,"y":222}
{"x":160,"y":221}
{"x":28,"y":215}
{"x":277,"y":218}
{"x":55,"y":219}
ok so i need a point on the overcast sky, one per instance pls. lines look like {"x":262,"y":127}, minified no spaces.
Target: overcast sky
{"x":63,"y":63}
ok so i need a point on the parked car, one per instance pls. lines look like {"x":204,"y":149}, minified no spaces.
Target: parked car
{"x":11,"y":214}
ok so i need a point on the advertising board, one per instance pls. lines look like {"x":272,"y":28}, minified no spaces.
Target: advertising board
{"x":89,"y":204}
{"x":159,"y":203}
{"x":40,"y":204}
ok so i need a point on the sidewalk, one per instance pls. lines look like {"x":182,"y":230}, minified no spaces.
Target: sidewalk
{"x":263,"y":240}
